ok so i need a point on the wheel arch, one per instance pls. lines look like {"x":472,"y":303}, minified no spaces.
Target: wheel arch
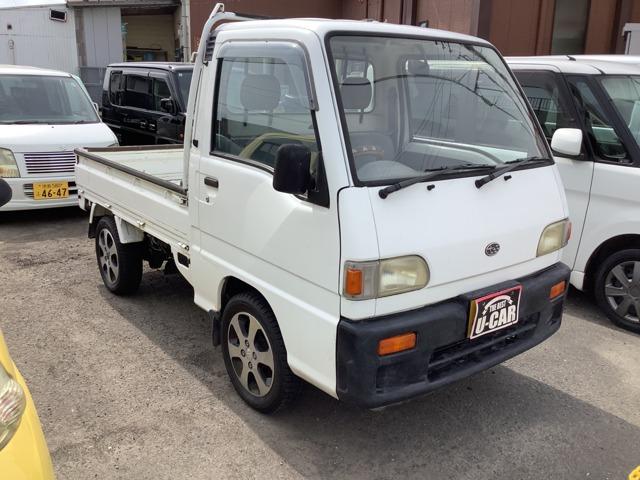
{"x":95,"y":213}
{"x":229,"y":287}
{"x":606,"y":248}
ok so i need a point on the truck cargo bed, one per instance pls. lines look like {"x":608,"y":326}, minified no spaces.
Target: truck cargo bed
{"x":141,"y":185}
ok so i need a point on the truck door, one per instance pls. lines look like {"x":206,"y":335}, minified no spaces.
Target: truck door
{"x":137,"y":100}
{"x":615,"y":196}
{"x":549,"y":96}
{"x":287,"y":246}
{"x":162,"y":118}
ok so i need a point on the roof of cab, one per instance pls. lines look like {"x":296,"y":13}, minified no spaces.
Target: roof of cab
{"x":580,"y":64}
{"x":26,"y":70}
{"x":154,"y":65}
{"x":322,"y":26}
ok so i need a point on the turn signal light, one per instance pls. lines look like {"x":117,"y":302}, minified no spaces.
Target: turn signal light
{"x":557,"y":290}
{"x":353,"y":282}
{"x":396,"y":344}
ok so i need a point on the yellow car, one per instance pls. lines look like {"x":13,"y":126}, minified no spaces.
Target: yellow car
{"x":23,"y":450}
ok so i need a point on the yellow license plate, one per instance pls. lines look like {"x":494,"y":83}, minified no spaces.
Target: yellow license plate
{"x":50,"y":191}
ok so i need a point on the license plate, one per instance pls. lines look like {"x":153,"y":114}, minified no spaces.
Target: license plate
{"x":50,"y":191}
{"x":494,"y":312}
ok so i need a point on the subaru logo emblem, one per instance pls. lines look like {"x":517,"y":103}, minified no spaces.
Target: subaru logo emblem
{"x":491,"y":249}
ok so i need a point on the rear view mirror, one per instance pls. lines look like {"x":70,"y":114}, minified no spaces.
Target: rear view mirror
{"x":167,"y":105}
{"x":567,"y":141}
{"x":5,"y":192}
{"x":291,"y":173}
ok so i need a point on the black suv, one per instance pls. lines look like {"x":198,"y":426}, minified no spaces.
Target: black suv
{"x":145,"y":103}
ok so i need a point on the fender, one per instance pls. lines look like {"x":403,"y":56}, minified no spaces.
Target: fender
{"x":127,"y":232}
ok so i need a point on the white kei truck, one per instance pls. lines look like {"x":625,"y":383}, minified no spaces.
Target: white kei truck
{"x":372,"y":208}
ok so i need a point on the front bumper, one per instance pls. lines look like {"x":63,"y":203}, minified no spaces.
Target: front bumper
{"x":443,"y":354}
{"x":22,"y":194}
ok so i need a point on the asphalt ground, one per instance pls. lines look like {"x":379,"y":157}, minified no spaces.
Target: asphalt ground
{"x":131,"y":388}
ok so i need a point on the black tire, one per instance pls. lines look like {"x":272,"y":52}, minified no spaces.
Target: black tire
{"x":122,"y":272}
{"x":265,"y":389}
{"x":610,"y":290}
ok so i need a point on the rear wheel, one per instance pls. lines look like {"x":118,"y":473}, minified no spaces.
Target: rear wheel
{"x":617,"y":288}
{"x":254,"y":354}
{"x":120,"y":264}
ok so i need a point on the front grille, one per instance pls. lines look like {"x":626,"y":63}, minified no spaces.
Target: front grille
{"x":449,"y":359}
{"x":49,"y":162}
{"x":28,"y":189}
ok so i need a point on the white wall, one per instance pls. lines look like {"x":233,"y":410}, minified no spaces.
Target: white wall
{"x":36,"y":40}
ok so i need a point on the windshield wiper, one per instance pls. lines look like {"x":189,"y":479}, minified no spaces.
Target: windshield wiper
{"x":510,"y":165}
{"x":436,"y":172}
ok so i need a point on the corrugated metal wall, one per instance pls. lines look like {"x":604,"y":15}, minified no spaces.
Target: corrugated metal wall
{"x":35,"y":40}
{"x":99,"y":38}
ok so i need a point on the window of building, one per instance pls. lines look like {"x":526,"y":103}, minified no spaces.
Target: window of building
{"x":550,"y":106}
{"x":569,"y":26}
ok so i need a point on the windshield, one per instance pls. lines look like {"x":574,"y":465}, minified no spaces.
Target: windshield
{"x":417,"y":105}
{"x":44,"y":99}
{"x":624,"y":92}
{"x":184,"y":83}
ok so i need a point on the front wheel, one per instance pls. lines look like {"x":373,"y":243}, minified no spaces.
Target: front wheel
{"x":120,"y":264}
{"x":254,"y":354}
{"x":617,"y":288}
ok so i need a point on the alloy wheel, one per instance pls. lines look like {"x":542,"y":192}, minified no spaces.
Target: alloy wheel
{"x":251,"y":354}
{"x":108,"y":256}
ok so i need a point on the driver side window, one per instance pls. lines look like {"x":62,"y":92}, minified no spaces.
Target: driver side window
{"x":262,"y":103}
{"x":160,"y":91}
{"x":600,"y":129}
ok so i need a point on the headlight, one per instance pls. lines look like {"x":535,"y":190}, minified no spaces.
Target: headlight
{"x":381,"y":278}
{"x":12,"y":405}
{"x":8,"y":165}
{"x":554,"y":237}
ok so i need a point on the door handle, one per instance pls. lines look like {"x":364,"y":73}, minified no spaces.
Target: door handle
{"x":143,"y":124}
{"x":211,"y":182}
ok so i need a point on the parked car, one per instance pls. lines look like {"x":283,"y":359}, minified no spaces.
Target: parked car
{"x":145,"y":102}
{"x":598,"y":101}
{"x":44,"y":115}
{"x":372,"y":224}
{"x":23,"y":449}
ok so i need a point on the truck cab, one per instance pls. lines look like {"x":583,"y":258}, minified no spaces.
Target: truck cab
{"x":595,"y":99}
{"x":368,"y":207}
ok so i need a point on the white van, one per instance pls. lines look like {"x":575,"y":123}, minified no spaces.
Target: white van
{"x":44,"y":116}
{"x":589,"y":109}
{"x":369,"y":207}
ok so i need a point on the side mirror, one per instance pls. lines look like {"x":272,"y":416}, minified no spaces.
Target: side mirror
{"x":567,"y":141}
{"x":291,"y":173}
{"x":167,"y":105}
{"x":5,"y":192}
